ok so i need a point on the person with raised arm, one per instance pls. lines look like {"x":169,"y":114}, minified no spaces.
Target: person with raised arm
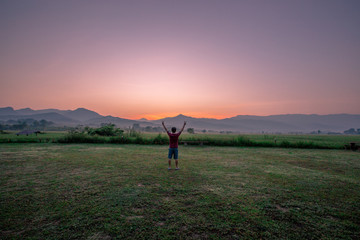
{"x":173,"y":146}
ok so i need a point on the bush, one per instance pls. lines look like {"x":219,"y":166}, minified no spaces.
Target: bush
{"x":119,"y":139}
{"x":74,"y":137}
{"x":243,"y":141}
{"x":191,"y":130}
{"x":285,"y":144}
{"x":134,"y":133}
{"x":140,"y":140}
{"x":159,"y":139}
{"x":105,"y":130}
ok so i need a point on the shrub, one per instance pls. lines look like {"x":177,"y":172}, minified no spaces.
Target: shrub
{"x":119,"y":139}
{"x":285,"y":144}
{"x":74,"y":137}
{"x":302,"y":144}
{"x":105,"y":130}
{"x":191,"y":130}
{"x":159,"y":139}
{"x":243,"y":141}
{"x":134,"y":133}
{"x":140,"y":140}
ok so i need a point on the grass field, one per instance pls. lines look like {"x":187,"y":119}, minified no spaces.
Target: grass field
{"x":264,"y":140}
{"x":331,"y":141}
{"x":109,"y":191}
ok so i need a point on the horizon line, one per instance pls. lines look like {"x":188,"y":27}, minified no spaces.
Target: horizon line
{"x":144,"y":116}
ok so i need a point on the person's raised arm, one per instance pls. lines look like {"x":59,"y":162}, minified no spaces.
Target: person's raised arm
{"x":164,"y":126}
{"x":183,"y":127}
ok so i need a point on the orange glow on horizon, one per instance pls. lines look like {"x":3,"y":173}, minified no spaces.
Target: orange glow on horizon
{"x":192,"y":114}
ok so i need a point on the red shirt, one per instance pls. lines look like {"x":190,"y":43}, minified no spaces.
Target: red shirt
{"x":174,"y":137}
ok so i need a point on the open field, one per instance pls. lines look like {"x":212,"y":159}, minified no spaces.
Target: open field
{"x":109,"y":191}
{"x":46,"y":137}
{"x":264,"y":140}
{"x":332,"y":141}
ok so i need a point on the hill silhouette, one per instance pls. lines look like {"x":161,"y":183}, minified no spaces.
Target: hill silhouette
{"x":242,"y":123}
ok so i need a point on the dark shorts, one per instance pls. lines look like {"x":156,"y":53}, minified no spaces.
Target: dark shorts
{"x":173,"y":151}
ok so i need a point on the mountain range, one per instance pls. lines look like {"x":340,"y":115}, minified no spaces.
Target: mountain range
{"x":241,"y":123}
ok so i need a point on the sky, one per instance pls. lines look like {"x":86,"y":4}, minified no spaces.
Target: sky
{"x":201,"y":58}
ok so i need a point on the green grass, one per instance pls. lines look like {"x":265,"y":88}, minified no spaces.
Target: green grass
{"x":254,"y":140}
{"x":32,"y":138}
{"x":329,"y":141}
{"x":108,"y":191}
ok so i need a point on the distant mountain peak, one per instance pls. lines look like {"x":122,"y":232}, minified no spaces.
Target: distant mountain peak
{"x":83,"y":109}
{"x":181,"y":116}
{"x":7,"y":111}
{"x":82,"y":114}
{"x":7,"y":108}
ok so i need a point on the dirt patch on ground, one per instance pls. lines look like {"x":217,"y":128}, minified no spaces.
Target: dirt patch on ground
{"x":281,"y":209}
{"x":130,"y":218}
{"x":99,"y":236}
{"x":80,"y":171}
{"x":167,"y":199}
{"x":99,"y":149}
{"x":214,"y":189}
{"x":137,"y":210}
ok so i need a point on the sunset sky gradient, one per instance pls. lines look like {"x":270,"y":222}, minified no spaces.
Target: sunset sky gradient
{"x":202,"y":58}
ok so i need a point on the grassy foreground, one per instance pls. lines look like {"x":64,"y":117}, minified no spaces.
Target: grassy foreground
{"x":108,"y":191}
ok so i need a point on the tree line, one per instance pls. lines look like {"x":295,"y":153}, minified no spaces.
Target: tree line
{"x":23,"y":124}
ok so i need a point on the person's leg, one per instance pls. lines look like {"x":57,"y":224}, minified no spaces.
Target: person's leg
{"x":169,"y":157}
{"x":176,"y":155}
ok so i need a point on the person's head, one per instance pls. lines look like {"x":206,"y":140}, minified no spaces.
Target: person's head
{"x":173,"y":129}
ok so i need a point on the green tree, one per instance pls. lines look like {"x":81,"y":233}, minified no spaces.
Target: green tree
{"x":148,"y":129}
{"x":350,"y":131}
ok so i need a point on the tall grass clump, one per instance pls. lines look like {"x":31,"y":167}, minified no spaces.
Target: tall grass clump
{"x":285,"y":144}
{"x":303,"y":144}
{"x":140,"y":140}
{"x":104,"y":130}
{"x":160,"y":140}
{"x":19,"y":140}
{"x":75,"y":137}
{"x":133,"y":133}
{"x":243,"y":141}
{"x":119,"y":139}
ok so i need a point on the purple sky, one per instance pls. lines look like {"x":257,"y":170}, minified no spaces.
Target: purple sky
{"x":201,"y":58}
